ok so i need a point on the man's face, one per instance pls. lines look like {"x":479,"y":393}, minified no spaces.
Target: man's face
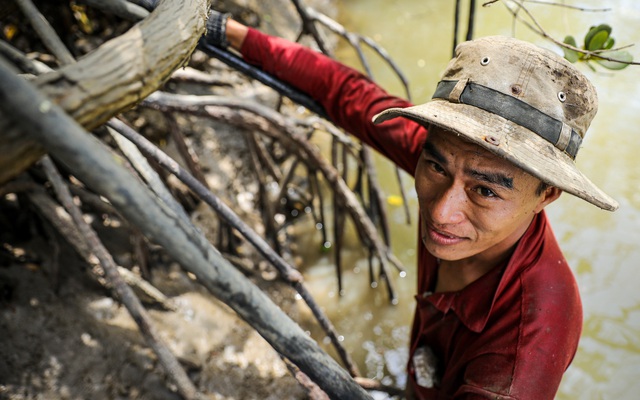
{"x":474,"y":205}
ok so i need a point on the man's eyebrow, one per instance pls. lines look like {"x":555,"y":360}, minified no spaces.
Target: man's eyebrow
{"x":495,"y":178}
{"x":434,"y":152}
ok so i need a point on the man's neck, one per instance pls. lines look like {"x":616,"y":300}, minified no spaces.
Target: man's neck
{"x":455,"y":275}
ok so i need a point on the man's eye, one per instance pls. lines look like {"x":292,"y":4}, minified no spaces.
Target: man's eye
{"x":436,"y":167}
{"x":485,"y":192}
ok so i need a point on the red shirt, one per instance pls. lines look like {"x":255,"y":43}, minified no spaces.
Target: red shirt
{"x":512,"y":333}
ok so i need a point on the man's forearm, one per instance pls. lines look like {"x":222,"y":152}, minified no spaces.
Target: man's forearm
{"x":236,"y":33}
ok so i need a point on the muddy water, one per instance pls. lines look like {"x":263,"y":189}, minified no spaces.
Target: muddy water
{"x":603,"y":248}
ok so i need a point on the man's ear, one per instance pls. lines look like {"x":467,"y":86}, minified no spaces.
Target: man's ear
{"x":549,"y":195}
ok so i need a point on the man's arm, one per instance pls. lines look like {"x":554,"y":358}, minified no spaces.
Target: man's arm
{"x":349,"y":98}
{"x":236,"y":33}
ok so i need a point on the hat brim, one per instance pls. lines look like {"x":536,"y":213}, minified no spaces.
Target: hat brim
{"x":506,"y":139}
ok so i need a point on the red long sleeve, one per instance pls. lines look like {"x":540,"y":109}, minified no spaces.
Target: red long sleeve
{"x":349,"y":98}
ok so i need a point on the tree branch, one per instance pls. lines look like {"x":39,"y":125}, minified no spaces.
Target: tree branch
{"x":89,"y":160}
{"x":113,"y":77}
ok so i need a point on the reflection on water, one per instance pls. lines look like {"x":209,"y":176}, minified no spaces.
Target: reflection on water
{"x":601,"y":247}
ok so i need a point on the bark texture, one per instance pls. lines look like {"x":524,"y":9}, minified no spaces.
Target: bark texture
{"x":113,"y":77}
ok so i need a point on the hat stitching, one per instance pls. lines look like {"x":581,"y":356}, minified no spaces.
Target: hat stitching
{"x":525,"y":74}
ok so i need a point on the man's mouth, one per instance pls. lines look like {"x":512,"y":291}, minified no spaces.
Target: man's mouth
{"x":442,"y":237}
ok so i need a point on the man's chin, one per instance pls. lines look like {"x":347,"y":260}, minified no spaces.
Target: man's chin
{"x":444,"y":253}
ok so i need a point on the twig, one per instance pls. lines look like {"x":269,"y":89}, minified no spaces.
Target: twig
{"x":268,"y":209}
{"x":46,"y":32}
{"x":194,"y":104}
{"x":150,"y":176}
{"x":121,"y":8}
{"x":371,"y":384}
{"x":309,"y":27}
{"x":95,"y":202}
{"x":355,"y":39}
{"x":26,"y":64}
{"x":403,"y":196}
{"x":314,"y":187}
{"x":147,"y":288}
{"x":376,"y":196}
{"x":265,"y":158}
{"x":338,"y":220}
{"x":192,"y":75}
{"x":550,"y":3}
{"x":185,"y":151}
{"x":322,"y":124}
{"x":239,"y":64}
{"x":539,"y":30}
{"x":61,"y":221}
{"x":17,"y":186}
{"x":112,"y":77}
{"x":122,"y":290}
{"x":470,"y":21}
{"x":284,"y":180}
{"x":456,"y":22}
{"x":313,"y":391}
{"x":53,"y":256}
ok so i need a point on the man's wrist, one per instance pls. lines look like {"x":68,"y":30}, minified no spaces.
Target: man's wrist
{"x":217,"y":29}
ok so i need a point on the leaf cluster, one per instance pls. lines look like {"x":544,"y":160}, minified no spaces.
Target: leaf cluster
{"x":598,"y":47}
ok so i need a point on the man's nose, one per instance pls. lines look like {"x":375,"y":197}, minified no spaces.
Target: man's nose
{"x":448,"y":206}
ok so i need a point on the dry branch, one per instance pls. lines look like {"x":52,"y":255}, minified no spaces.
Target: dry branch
{"x":61,"y":222}
{"x":150,"y":176}
{"x":121,"y":8}
{"x":279,"y":127}
{"x":290,"y":274}
{"x":88,"y":159}
{"x":46,"y":32}
{"x":113,"y":77}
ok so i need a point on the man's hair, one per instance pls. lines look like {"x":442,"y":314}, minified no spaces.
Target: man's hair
{"x":541,"y":188}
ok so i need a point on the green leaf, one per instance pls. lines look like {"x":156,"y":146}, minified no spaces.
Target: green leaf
{"x":587,"y":38}
{"x":609,"y":43}
{"x":594,"y":30}
{"x":571,"y":55}
{"x":621,"y":55}
{"x":598,"y":40}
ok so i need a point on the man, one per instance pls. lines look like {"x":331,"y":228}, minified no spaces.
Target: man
{"x":498,"y":311}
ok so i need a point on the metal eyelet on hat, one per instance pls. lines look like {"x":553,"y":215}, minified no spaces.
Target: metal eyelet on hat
{"x":562,"y":96}
{"x":485,"y":61}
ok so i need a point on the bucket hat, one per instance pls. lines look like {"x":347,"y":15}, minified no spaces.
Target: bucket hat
{"x":521,"y":102}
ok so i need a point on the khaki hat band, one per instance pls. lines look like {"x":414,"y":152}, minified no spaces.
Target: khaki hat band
{"x":563,"y":137}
